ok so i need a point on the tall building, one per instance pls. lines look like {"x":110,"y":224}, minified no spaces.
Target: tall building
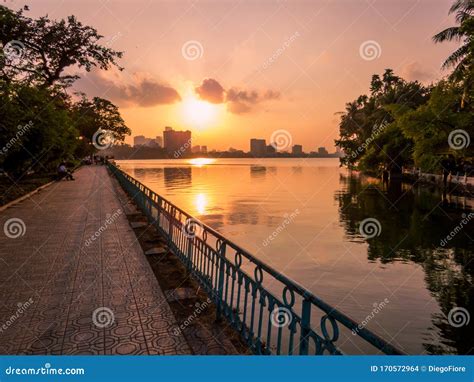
{"x":177,"y":143}
{"x":139,"y":140}
{"x":159,"y":141}
{"x":271,"y":150}
{"x":258,"y":147}
{"x":297,"y":150}
{"x":322,"y":151}
{"x":203,"y":149}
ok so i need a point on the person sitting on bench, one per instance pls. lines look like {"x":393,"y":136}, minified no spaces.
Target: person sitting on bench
{"x":64,"y":173}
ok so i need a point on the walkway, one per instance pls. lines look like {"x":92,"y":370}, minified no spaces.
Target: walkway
{"x":76,"y":281}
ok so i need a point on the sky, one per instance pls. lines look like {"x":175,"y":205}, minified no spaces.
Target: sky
{"x":234,"y":70}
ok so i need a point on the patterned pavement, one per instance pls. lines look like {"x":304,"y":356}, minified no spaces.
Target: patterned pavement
{"x":74,"y":279}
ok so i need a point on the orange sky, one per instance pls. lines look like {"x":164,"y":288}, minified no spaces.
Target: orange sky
{"x":271,"y":64}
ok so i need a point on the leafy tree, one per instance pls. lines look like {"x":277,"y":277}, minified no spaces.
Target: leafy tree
{"x":368,"y":134}
{"x":47,"y":47}
{"x":430,"y":125}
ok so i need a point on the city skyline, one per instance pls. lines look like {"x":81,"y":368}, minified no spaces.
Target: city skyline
{"x":232,"y":71}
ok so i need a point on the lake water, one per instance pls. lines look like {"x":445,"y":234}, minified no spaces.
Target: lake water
{"x":322,"y":248}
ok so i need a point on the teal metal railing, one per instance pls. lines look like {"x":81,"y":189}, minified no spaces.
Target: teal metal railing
{"x":273,"y":313}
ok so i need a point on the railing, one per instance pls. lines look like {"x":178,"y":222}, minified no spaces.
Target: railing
{"x":259,"y":302}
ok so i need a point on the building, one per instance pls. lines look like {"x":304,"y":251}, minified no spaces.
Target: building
{"x":177,"y":143}
{"x":322,"y":151}
{"x":271,"y":150}
{"x":159,"y":141}
{"x":258,"y":147}
{"x":203,"y":149}
{"x":139,"y":140}
{"x":196,"y":149}
{"x":297,"y":150}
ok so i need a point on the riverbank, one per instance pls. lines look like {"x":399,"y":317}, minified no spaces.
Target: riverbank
{"x":11,"y":190}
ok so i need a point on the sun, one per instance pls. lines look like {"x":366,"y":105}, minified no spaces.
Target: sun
{"x":198,"y":113}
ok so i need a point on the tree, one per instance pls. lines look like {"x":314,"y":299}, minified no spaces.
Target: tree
{"x":99,"y":115}
{"x":430,"y":126}
{"x":45,"y":48}
{"x":368,"y":134}
{"x":462,"y":59}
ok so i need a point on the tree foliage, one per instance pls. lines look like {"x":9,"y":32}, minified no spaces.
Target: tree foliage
{"x":40,"y":123}
{"x":420,"y":122}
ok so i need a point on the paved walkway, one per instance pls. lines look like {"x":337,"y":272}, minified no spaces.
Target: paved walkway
{"x":76,"y":281}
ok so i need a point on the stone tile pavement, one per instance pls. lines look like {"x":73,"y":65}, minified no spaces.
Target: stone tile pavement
{"x":74,"y":279}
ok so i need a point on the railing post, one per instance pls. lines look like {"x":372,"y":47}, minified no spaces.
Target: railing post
{"x":305,"y":326}
{"x":220,"y":285}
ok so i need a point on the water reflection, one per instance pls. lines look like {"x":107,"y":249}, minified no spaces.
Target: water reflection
{"x":246,"y":200}
{"x":177,"y":177}
{"x":414,"y":222}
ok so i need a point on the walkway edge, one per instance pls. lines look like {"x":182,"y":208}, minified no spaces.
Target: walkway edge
{"x":28,"y":195}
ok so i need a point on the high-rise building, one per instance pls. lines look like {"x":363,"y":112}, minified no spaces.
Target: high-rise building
{"x":177,"y":143}
{"x":203,"y":149}
{"x":196,"y":149}
{"x":297,"y":150}
{"x":271,"y":149}
{"x":322,"y":151}
{"x":139,"y":140}
{"x":258,"y":147}
{"x":159,"y":141}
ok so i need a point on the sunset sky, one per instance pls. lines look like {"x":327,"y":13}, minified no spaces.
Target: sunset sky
{"x":260,"y":66}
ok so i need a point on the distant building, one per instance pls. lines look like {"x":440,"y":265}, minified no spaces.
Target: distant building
{"x":322,"y":151}
{"x":297,"y":150}
{"x":196,"y":149}
{"x":139,"y":140}
{"x":258,"y":147}
{"x":159,"y":141}
{"x":177,"y":143}
{"x":271,"y":150}
{"x":203,"y":149}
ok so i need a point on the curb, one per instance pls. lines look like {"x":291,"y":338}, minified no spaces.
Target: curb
{"x":28,"y":195}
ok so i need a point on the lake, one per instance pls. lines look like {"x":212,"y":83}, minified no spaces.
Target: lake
{"x":409,"y":264}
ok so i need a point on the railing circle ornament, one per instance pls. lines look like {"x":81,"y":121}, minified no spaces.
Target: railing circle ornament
{"x":335,"y":329}
{"x":288,"y":302}
{"x":238,"y":259}
{"x":204,"y":235}
{"x":258,"y":274}
{"x":218,"y":244}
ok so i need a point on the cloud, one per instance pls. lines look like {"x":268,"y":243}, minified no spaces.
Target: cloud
{"x":210,"y":90}
{"x":138,"y":90}
{"x":242,"y":101}
{"x":416,"y":72}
